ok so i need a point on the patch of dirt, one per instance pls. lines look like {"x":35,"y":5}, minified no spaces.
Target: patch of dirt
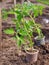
{"x":9,"y":54}
{"x":8,"y":49}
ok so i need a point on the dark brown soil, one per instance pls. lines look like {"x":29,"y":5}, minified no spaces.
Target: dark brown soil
{"x":9,"y":54}
{"x":8,"y":49}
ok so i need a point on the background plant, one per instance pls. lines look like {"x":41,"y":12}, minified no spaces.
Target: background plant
{"x":46,"y":2}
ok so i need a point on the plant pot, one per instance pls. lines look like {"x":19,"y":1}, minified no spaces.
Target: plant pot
{"x":39,"y":42}
{"x":32,"y":56}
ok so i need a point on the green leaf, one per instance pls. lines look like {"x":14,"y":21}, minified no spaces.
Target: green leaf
{"x":9,"y":31}
{"x":38,"y":31}
{"x":4,"y":14}
{"x":18,"y":11}
{"x":23,"y":32}
{"x":19,"y":17}
{"x":20,"y":40}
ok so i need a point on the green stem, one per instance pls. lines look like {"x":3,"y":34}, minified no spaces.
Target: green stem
{"x":34,"y":24}
{"x":31,"y":43}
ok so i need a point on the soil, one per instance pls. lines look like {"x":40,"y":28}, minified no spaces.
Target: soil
{"x":9,"y":54}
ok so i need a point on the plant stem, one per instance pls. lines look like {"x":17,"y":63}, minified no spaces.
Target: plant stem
{"x":35,"y":24}
{"x":31,"y":43}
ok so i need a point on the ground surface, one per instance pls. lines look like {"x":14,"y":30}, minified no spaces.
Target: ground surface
{"x":9,"y":55}
{"x":8,"y":49}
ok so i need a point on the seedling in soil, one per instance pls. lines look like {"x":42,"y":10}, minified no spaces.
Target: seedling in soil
{"x":25,"y":28}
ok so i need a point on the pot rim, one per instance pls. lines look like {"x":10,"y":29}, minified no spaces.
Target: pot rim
{"x":37,"y":37}
{"x":32,"y":52}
